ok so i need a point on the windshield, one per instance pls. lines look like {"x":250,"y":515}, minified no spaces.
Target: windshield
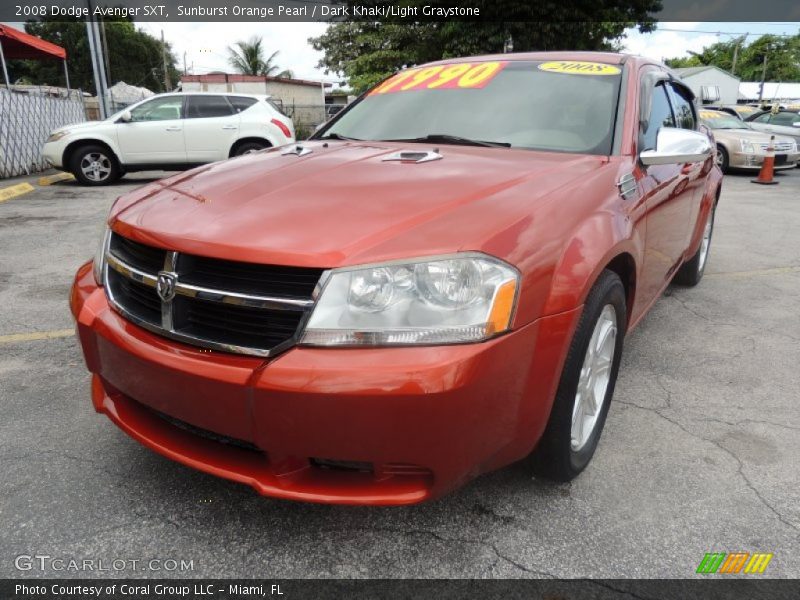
{"x":563,"y":106}
{"x":720,"y":120}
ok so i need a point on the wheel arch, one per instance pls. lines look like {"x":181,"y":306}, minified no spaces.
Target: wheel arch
{"x":248,"y":139}
{"x":66,"y":157}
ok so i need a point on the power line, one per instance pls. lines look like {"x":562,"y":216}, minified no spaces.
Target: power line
{"x":746,"y":34}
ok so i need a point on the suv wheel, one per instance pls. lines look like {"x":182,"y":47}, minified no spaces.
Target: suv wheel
{"x":94,"y":165}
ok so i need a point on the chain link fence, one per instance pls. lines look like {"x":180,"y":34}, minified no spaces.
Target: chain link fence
{"x":306,"y":117}
{"x":26,"y":120}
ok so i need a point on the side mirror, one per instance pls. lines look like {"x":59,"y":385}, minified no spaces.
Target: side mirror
{"x":796,"y":124}
{"x":676,"y":147}
{"x":126,"y":117}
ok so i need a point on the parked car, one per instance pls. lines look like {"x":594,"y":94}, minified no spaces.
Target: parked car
{"x":742,"y":111}
{"x":437,"y":284}
{"x":782,"y":122}
{"x":168,"y":131}
{"x":741,"y":147}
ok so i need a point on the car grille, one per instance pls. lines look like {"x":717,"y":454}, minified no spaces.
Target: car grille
{"x":779,"y":146}
{"x":224,"y":305}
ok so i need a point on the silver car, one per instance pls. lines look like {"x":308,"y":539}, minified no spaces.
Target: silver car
{"x":783,"y":122}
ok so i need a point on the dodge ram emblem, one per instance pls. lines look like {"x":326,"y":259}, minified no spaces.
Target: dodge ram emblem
{"x":165,"y":285}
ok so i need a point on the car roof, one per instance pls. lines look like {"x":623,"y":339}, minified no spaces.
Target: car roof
{"x":256,"y":96}
{"x":614,"y":58}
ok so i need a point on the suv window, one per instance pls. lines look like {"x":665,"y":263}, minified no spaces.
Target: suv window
{"x":241,"y":103}
{"x":204,"y":107}
{"x":682,"y":107}
{"x":276,"y":106}
{"x":660,"y":116}
{"x":158,"y":109}
{"x":784,"y":118}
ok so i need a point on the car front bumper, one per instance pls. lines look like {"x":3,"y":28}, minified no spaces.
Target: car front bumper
{"x":741,"y":160}
{"x":344,"y":426}
{"x":53,"y":153}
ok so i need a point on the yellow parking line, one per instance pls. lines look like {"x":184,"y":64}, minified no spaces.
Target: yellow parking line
{"x":13,"y":191}
{"x":755,"y":273}
{"x":55,"y":178}
{"x":36,"y":335}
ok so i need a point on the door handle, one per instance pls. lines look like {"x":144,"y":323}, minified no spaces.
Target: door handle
{"x":230,"y":127}
{"x":173,"y":129}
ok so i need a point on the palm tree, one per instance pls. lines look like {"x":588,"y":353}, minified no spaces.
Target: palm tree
{"x":247,"y":58}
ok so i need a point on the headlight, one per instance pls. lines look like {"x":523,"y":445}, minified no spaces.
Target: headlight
{"x":54,"y":137}
{"x":99,"y":262}
{"x":747,"y":147}
{"x":464,"y":298}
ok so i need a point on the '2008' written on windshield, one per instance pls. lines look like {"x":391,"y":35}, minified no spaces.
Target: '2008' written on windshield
{"x":441,"y":77}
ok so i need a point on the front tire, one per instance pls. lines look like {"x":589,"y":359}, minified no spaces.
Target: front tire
{"x":691,"y":272}
{"x":94,"y":165}
{"x":723,"y":160}
{"x":587,"y":384}
{"x":249,"y":148}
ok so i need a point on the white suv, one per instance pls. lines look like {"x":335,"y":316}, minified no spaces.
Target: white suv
{"x":168,"y":131}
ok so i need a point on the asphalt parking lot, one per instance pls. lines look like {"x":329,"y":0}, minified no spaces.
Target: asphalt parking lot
{"x":699,"y":453}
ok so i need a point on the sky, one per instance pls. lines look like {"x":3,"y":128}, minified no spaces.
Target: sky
{"x":205,"y":44}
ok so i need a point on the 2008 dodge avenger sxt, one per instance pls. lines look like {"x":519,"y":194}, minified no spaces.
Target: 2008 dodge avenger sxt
{"x":435,"y":285}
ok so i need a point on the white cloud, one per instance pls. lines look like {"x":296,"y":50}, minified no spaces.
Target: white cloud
{"x":661,"y":44}
{"x":206,"y":44}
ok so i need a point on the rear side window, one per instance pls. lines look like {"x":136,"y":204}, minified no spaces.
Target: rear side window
{"x":204,"y":107}
{"x":276,"y":106}
{"x":682,"y":106}
{"x":241,"y":103}
{"x":660,"y":116}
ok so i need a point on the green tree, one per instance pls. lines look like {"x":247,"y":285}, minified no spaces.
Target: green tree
{"x":249,"y":58}
{"x":134,"y":56}
{"x":782,"y":54}
{"x":367,"y":52}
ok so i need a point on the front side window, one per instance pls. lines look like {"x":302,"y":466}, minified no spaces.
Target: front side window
{"x":561,"y":106}
{"x":158,"y":109}
{"x":204,"y":107}
{"x":682,"y":107}
{"x":660,"y":116}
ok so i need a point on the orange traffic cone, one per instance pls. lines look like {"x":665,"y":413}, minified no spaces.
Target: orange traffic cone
{"x":768,"y":167}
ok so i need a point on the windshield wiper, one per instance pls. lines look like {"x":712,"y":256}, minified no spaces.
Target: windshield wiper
{"x":336,"y":136}
{"x":444,"y":138}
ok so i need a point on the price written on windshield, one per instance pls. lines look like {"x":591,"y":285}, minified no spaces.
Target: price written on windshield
{"x":452,"y":76}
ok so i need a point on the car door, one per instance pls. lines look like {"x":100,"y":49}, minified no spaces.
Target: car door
{"x":154,"y":135}
{"x":783,"y":124}
{"x":669,"y":200}
{"x":212,"y":126}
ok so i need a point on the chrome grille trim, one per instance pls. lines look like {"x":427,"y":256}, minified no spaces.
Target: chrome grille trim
{"x":167,"y":329}
{"x":779,"y":146}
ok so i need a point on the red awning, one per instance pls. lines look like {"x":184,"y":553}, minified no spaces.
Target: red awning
{"x":18,"y":44}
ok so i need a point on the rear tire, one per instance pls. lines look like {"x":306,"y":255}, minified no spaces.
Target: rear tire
{"x":587,"y":384}
{"x":691,"y":272}
{"x":94,"y":165}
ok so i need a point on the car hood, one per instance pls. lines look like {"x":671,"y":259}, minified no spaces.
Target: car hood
{"x":342,"y":203}
{"x":79,"y":126}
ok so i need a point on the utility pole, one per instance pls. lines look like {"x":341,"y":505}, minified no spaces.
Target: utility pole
{"x":167,"y":84}
{"x":105,"y":49}
{"x":184,"y":64}
{"x":763,"y":75}
{"x":96,"y":54}
{"x":736,"y":53}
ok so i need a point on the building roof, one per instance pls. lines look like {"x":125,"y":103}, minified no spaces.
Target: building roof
{"x":237,"y":78}
{"x":689,"y":71}
{"x":18,"y":44}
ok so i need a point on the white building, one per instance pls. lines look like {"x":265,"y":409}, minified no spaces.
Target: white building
{"x":711,"y":85}
{"x":749,"y":91}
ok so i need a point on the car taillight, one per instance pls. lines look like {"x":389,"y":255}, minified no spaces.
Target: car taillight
{"x":282,"y":126}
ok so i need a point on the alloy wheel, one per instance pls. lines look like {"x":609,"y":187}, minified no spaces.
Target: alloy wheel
{"x":594,"y":378}
{"x":96,"y":166}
